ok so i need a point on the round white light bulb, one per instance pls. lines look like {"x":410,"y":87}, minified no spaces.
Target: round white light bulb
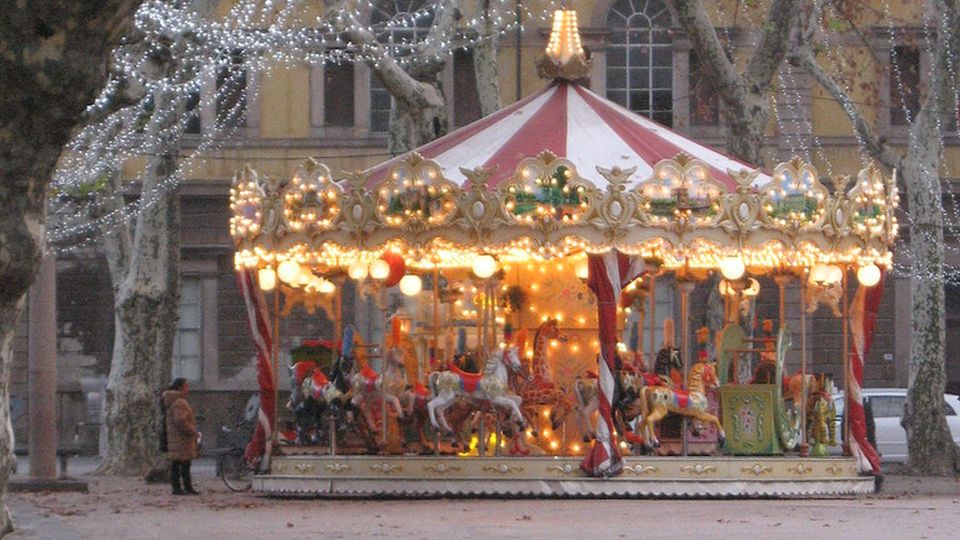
{"x":819,"y":273}
{"x":306,"y":277}
{"x":868,"y":275}
{"x":582,"y":268}
{"x":834,"y":274}
{"x":379,"y":269}
{"x":484,"y":266}
{"x":289,"y":272}
{"x":358,"y":270}
{"x":411,"y":285}
{"x":267,"y":278}
{"x":732,"y":268}
{"x":326,"y":287}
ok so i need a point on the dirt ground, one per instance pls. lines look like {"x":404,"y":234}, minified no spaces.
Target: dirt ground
{"x":121,"y":508}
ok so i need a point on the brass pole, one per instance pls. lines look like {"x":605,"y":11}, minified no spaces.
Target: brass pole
{"x":436,"y":319}
{"x":653,"y":321}
{"x":276,"y":361}
{"x":685,"y":288}
{"x":846,"y":362}
{"x":804,"y":447}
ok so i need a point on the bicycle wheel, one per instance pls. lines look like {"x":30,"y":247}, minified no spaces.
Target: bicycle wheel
{"x":235,"y":471}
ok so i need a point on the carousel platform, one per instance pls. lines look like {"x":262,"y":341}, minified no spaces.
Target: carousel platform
{"x":561,"y":477}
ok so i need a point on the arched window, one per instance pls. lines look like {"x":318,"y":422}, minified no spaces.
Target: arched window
{"x":400,"y":25}
{"x":640,"y":58}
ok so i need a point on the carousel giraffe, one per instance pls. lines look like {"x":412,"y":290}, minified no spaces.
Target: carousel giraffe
{"x":540,"y":390}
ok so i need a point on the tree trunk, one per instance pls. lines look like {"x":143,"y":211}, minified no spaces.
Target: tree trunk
{"x":486,"y":62}
{"x":418,"y":115}
{"x":745,"y":119}
{"x":744,"y":95}
{"x":53,"y":62}
{"x":930,"y":446}
{"x":145,"y":307}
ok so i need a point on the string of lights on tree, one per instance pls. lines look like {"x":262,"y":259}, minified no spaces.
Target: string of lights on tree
{"x":276,"y":35}
{"x":280,"y":42}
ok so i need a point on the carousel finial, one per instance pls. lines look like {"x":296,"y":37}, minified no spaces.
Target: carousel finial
{"x":565,"y":57}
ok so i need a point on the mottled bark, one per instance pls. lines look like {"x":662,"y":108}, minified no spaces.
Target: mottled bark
{"x":745,"y":96}
{"x":53,"y":59}
{"x":486,"y":63}
{"x":418,"y":113}
{"x":930,"y":446}
{"x":931,"y":449}
{"x":146,"y":287}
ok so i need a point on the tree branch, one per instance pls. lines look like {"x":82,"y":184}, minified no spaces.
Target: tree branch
{"x":772,"y":48}
{"x":880,"y":151}
{"x":397,"y":81}
{"x":694,"y":19}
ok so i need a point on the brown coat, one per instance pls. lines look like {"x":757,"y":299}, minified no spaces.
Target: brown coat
{"x":181,"y":427}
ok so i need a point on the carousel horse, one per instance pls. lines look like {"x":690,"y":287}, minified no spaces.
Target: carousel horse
{"x":657,"y":401}
{"x":312,"y":395}
{"x":369,"y":387}
{"x":490,"y":386}
{"x":539,"y":391}
{"x":629,"y":386}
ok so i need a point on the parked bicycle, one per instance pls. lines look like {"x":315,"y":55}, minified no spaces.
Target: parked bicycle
{"x":236,"y":472}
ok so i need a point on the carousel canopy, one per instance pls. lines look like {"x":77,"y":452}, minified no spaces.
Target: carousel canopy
{"x":562,"y":172}
{"x":567,"y":120}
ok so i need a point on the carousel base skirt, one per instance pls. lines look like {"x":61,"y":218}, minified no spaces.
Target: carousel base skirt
{"x":444,"y":476}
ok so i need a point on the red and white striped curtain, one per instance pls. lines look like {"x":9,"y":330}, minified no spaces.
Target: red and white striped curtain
{"x":609,"y":274}
{"x":258,"y":316}
{"x":863,"y":319}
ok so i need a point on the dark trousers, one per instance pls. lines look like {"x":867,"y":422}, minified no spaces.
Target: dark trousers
{"x":180,"y":472}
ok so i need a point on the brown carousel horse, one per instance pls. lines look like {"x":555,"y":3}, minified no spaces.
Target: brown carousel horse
{"x":539,"y":390}
{"x":657,"y":401}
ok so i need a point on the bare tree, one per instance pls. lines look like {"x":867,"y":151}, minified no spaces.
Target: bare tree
{"x":745,"y":95}
{"x":931,"y":447}
{"x":418,"y":113}
{"x":53,"y":61}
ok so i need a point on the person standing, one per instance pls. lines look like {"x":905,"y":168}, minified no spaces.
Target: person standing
{"x":181,"y":427}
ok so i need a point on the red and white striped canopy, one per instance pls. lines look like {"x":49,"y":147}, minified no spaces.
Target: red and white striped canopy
{"x":571,"y":122}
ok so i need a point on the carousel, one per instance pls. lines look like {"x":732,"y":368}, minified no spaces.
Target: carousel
{"x":513,"y":311}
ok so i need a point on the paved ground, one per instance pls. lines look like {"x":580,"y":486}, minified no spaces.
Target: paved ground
{"x":126,"y":508}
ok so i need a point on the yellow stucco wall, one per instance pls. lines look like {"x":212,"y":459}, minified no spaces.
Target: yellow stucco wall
{"x":285,"y":93}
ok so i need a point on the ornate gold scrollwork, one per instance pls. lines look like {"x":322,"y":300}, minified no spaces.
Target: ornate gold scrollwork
{"x":800,"y":468}
{"x":757,"y":469}
{"x":641,"y":470}
{"x":441,"y":468}
{"x":358,"y":206}
{"x":546,"y":193}
{"x":311,"y":200}
{"x":794,"y":201}
{"x":246,"y":204}
{"x":741,"y":209}
{"x":503,"y":468}
{"x":386,"y":468}
{"x":416,"y":196}
{"x":480,"y":206}
{"x":681,"y":196}
{"x":699,"y":469}
{"x":619,"y":205}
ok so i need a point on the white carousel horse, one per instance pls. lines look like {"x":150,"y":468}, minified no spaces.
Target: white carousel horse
{"x":368,"y":384}
{"x":490,"y":385}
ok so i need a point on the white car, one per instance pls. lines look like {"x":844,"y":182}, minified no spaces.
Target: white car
{"x":887,"y":405}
